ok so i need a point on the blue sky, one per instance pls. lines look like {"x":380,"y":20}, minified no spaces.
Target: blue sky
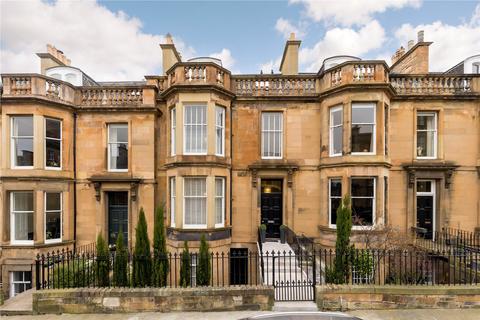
{"x":118,"y":40}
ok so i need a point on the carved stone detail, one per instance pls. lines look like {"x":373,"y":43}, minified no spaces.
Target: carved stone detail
{"x":411,"y":178}
{"x":448,"y":178}
{"x":133,"y":191}
{"x":254,"y":178}
{"x":98,"y":193}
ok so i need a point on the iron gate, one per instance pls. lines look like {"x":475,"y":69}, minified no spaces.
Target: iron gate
{"x":294,"y":276}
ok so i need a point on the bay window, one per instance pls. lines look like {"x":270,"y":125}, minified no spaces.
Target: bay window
{"x":363,"y":128}
{"x":53,"y":143}
{"x":219,"y":202}
{"x":363,"y":201}
{"x":118,"y":147}
{"x":53,"y":217}
{"x":195,"y":202}
{"x":22,"y":142}
{"x":272,"y":135}
{"x":220,"y":131}
{"x":173,"y":131}
{"x":427,"y":135}
{"x":21,"y":218}
{"x":172,"y":201}
{"x":335,"y":199}
{"x":336,"y":131}
{"x":195,"y":130}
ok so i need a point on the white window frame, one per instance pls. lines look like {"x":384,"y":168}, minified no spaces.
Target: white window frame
{"x":374,"y":200}
{"x":433,"y":193}
{"x":52,"y":211}
{"x":13,"y":155}
{"x":173,"y":196}
{"x":109,"y":125}
{"x":221,"y":127}
{"x":332,"y":127}
{"x":205,"y":125}
{"x":12,"y":282}
{"x":332,"y":224}
{"x":435,"y":135}
{"x":195,"y":226}
{"x":363,"y":105}
{"x":222,"y":197}
{"x":55,"y":139}
{"x":274,"y":130}
{"x":173,"y":131}
{"x":12,"y":219}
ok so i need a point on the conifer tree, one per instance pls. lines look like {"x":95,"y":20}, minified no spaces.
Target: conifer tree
{"x":160,"y":258}
{"x":103,"y":262}
{"x":343,"y":250}
{"x":185,"y":271}
{"x":142,"y":261}
{"x":120,"y":265}
{"x":203,"y":266}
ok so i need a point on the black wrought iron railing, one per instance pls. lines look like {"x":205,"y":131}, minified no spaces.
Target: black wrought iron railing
{"x":447,"y":239}
{"x":284,"y":270}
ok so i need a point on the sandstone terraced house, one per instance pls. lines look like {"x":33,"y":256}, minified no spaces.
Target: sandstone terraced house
{"x":224,"y":153}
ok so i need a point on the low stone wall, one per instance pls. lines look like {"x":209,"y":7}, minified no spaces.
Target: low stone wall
{"x":119,"y":300}
{"x":345,"y":297}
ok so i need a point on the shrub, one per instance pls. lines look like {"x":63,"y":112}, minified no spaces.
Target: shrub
{"x":342,"y":243}
{"x":76,"y":273}
{"x":120,"y":266}
{"x":160,"y":259}
{"x":185,"y":266}
{"x":142,"y":261}
{"x":203,"y":267}
{"x":102,"y":265}
{"x":363,"y":264}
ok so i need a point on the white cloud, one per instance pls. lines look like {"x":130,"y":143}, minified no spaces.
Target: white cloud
{"x":285,"y":27}
{"x":452,"y":44}
{"x":274,"y":65}
{"x":350,"y":12}
{"x":226,"y":56}
{"x":343,"y":41}
{"x":106,"y":45}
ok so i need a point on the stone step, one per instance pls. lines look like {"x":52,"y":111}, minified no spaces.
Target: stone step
{"x":295,"y":306}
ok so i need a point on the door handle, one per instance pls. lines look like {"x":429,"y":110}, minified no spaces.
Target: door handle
{"x":271,"y":221}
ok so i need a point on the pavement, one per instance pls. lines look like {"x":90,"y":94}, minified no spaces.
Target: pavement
{"x":405,"y":314}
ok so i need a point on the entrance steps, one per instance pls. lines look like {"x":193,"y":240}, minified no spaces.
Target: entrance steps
{"x":19,"y":305}
{"x":295,"y":306}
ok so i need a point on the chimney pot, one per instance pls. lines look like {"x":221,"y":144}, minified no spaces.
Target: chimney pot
{"x":292,"y":36}
{"x":420,"y":35}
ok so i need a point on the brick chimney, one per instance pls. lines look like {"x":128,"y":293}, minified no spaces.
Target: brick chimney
{"x":170,"y":55}
{"x":289,"y":64}
{"x":415,"y":60}
{"x":52,"y":58}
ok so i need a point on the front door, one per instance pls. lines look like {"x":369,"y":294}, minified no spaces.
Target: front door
{"x":117,"y":216}
{"x":271,"y":206}
{"x":426,"y":207}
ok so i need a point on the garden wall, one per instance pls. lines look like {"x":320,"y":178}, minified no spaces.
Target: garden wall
{"x":345,"y":297}
{"x":120,"y":300}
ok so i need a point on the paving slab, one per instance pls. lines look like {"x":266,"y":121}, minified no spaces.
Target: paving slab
{"x":418,"y":314}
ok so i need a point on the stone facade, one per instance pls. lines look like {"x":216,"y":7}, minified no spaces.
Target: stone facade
{"x":152,"y":300}
{"x":342,"y":298}
{"x":222,"y":117}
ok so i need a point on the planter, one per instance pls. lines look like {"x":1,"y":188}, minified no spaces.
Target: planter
{"x":283,"y":235}
{"x":262,"y":235}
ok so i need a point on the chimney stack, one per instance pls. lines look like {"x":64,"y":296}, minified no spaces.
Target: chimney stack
{"x":417,"y":53}
{"x":52,"y":58}
{"x":170,"y":55}
{"x":420,"y":36}
{"x":289,"y":64}
{"x":411,"y":43}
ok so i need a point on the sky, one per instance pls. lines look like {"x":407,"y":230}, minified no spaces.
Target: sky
{"x":119,"y":40}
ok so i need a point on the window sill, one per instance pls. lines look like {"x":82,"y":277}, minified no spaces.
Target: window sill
{"x":22,"y":168}
{"x":195,"y":235}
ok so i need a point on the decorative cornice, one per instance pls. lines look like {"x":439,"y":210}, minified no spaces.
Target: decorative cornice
{"x":447,"y":168}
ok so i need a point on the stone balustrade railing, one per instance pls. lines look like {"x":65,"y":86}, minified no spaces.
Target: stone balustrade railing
{"x":435,"y":84}
{"x":354,"y":72}
{"x":21,"y":85}
{"x":101,"y":96}
{"x":274,"y":85}
{"x":192,"y":73}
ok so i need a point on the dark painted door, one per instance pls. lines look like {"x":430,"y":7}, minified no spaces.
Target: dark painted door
{"x":238,"y":266}
{"x":271,"y":206}
{"x":117,"y":216}
{"x":425,"y":214}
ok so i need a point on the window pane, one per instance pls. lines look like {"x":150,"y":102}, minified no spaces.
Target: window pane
{"x":23,"y":225}
{"x":334,"y":204}
{"x":52,"y":225}
{"x":22,"y":201}
{"x":426,"y":122}
{"x":362,"y":187}
{"x":336,"y":117}
{"x":272,"y":134}
{"x":362,"y":138}
{"x":52,"y":128}
{"x":118,"y":133}
{"x":335,"y":188}
{"x":425,"y":143}
{"x":424,"y":186}
{"x":52,"y":153}
{"x":23,"y":126}
{"x":53,"y":201}
{"x":18,"y":276}
{"x":362,"y":211}
{"x":363,"y":114}
{"x":195,"y":201}
{"x":335,"y":198}
{"x":23,"y":151}
{"x":337,"y":133}
{"x":119,"y":156}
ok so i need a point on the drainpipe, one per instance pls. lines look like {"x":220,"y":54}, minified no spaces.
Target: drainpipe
{"x":74,"y":181}
{"x":231,"y":162}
